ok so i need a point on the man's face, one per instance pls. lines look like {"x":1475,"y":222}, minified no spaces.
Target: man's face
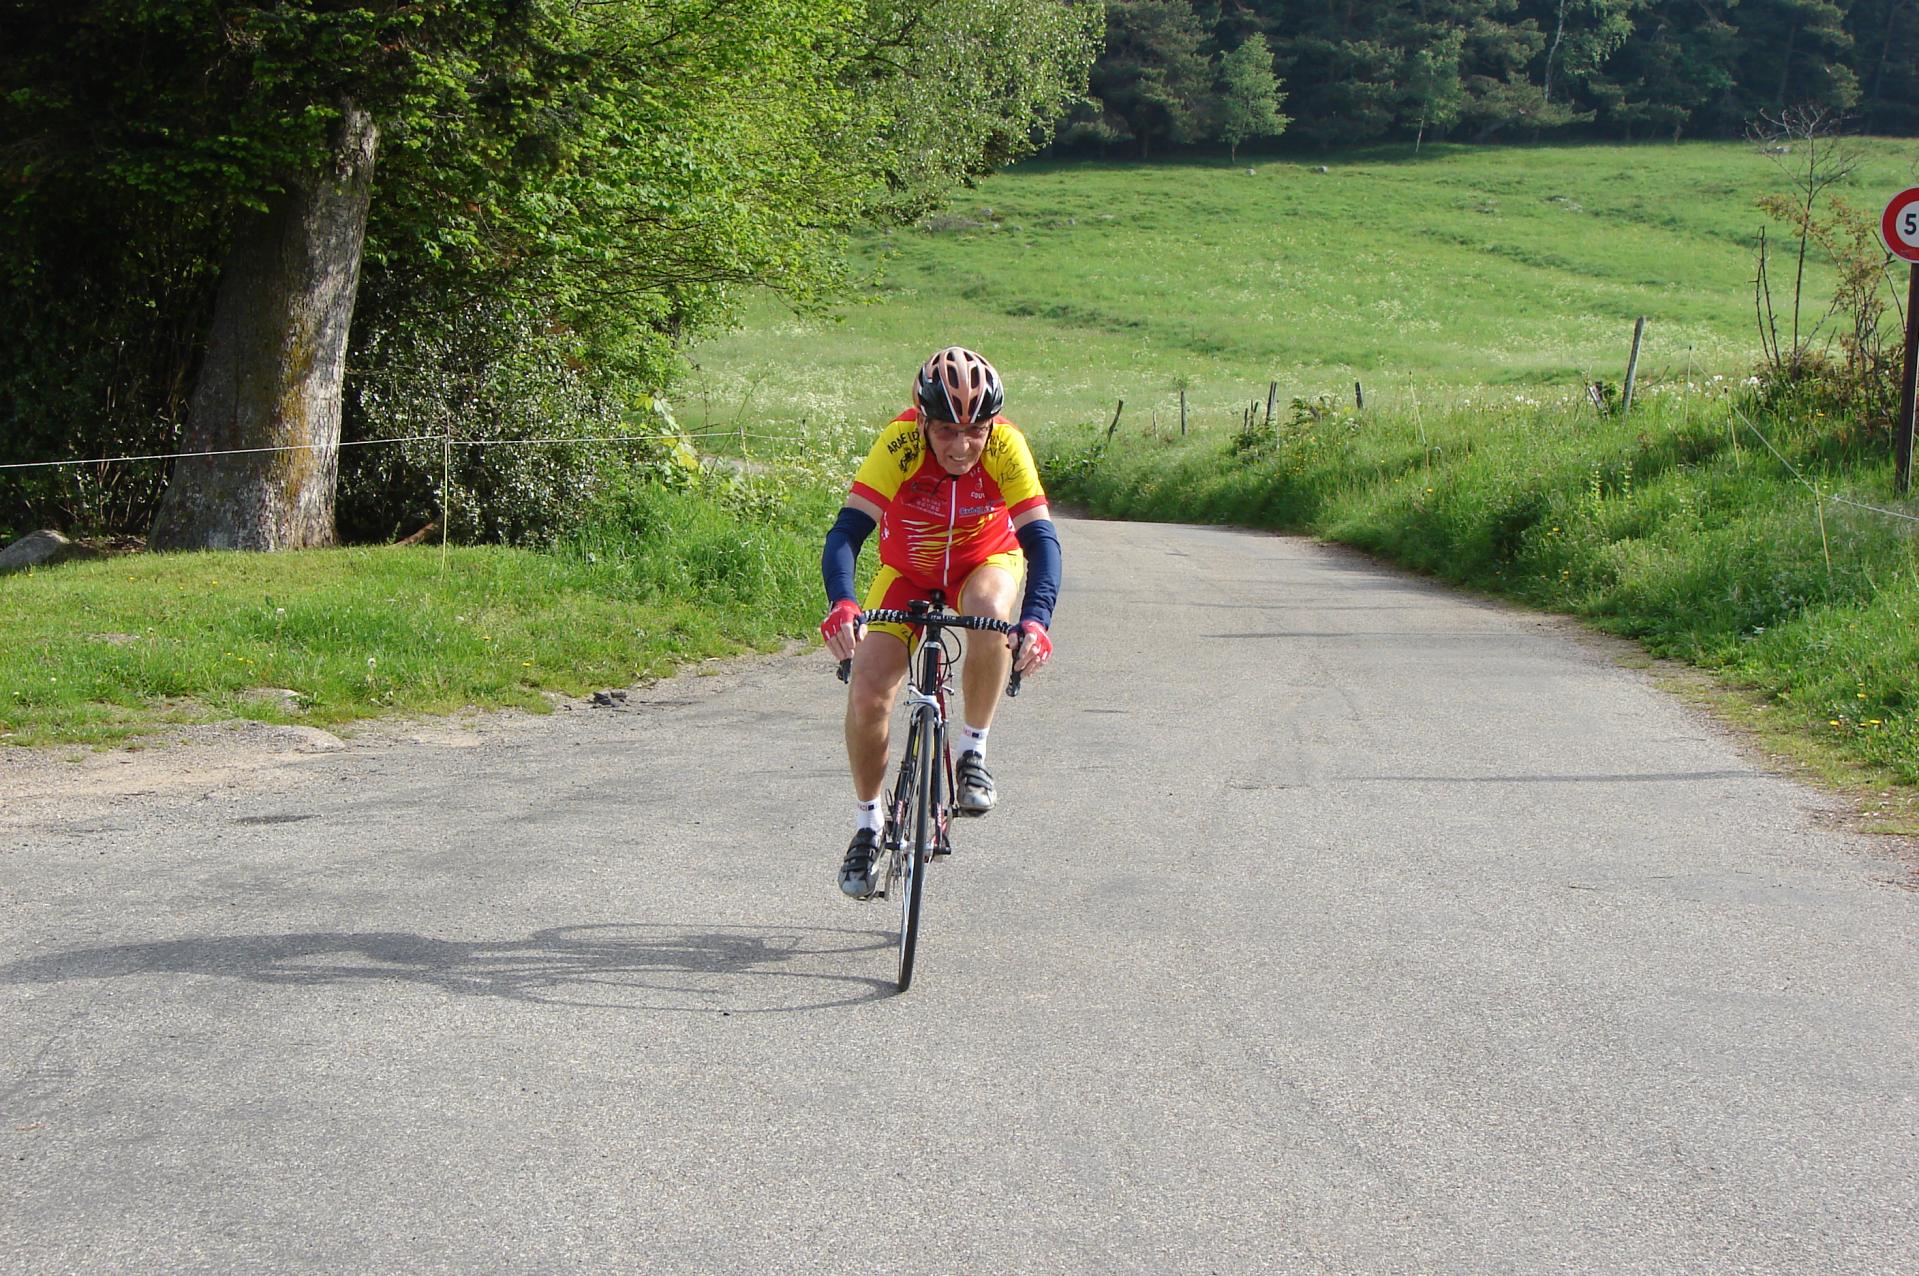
{"x":957,"y":447}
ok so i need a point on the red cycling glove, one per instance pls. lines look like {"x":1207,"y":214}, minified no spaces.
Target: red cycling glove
{"x":1033,"y":638}
{"x":845,"y":612}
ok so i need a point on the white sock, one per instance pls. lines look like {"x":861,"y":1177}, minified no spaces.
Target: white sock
{"x":973,"y":740}
{"x":870,"y":817}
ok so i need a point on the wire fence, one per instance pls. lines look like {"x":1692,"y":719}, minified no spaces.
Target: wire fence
{"x":742,"y":435}
{"x":1807,"y":483}
{"x":446,"y":440}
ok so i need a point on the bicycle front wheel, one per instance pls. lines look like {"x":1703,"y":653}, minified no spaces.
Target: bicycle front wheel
{"x":916,"y":851}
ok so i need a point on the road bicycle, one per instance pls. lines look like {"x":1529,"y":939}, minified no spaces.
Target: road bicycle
{"x":919,"y":816}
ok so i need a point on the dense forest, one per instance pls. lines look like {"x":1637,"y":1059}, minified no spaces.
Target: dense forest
{"x":1356,"y":71}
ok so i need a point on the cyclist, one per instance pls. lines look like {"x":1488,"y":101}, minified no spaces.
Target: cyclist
{"x":952,"y":487}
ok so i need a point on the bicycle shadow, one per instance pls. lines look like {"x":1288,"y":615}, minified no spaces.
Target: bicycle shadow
{"x":726,"y":969}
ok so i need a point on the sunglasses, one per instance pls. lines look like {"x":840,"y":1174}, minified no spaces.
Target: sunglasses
{"x":952,"y":431}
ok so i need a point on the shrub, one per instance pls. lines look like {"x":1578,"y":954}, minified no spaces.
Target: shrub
{"x":497,"y":382}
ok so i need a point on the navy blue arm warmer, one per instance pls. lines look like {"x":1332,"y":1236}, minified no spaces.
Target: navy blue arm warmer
{"x":1041,"y":545}
{"x":843,"y":543}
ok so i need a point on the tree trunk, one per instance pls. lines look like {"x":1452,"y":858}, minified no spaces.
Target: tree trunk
{"x":274,"y":363}
{"x":1785,"y":67}
{"x":1873,"y":100}
{"x":1553,"y":52}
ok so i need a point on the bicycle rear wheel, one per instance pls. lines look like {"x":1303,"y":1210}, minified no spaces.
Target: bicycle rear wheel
{"x":916,"y":850}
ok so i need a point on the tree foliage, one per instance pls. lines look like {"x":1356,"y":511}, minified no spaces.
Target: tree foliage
{"x":1153,"y":83}
{"x":1249,"y":95}
{"x":598,"y":177}
{"x":1434,"y":92}
{"x":1367,"y":70}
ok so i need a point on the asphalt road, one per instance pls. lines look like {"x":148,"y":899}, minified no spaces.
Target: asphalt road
{"x":1330,"y":923}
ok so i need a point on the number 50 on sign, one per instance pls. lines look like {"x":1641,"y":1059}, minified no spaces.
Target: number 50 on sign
{"x":1899,"y":227}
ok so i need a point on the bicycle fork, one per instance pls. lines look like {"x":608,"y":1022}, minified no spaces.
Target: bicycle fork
{"x":929,"y":707}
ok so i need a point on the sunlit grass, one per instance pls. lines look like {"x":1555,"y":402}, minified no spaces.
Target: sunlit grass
{"x":94,"y":651}
{"x":1428,"y":277}
{"x":1676,"y":526}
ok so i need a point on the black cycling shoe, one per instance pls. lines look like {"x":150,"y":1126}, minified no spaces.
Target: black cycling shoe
{"x":976,"y":795}
{"x":856,"y":870}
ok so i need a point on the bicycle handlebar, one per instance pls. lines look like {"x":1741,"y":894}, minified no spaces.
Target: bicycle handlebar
{"x":939,"y":620}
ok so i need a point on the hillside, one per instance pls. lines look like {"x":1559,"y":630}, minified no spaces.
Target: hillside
{"x":1438,"y":273}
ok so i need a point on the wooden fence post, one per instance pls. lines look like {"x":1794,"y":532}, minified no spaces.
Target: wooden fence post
{"x":1632,"y":366}
{"x":1272,"y":392}
{"x":1117,"y":409}
{"x":1182,"y":413}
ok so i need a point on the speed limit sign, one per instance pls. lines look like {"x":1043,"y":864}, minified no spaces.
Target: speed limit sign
{"x":1900,"y":229}
{"x":1900,"y":224}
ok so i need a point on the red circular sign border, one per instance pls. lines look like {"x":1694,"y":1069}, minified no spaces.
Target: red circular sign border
{"x":1896,"y":205}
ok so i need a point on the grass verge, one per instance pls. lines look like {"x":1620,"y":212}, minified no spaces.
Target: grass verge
{"x":1680,"y":527}
{"x":97,"y":651}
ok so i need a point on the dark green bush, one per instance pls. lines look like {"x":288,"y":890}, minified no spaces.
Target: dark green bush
{"x":491,"y":378}
{"x":101,"y":344}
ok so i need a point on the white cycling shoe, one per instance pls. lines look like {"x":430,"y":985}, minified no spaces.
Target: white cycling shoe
{"x":857,"y":870}
{"x":976,"y":793}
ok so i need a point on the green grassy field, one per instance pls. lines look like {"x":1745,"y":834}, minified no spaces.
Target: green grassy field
{"x":97,"y":651}
{"x":1457,"y":273}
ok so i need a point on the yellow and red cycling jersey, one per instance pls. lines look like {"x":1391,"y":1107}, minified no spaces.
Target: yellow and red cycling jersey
{"x":937,"y":528}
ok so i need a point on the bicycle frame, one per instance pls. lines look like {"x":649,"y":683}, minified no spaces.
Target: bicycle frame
{"x":923,"y":704}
